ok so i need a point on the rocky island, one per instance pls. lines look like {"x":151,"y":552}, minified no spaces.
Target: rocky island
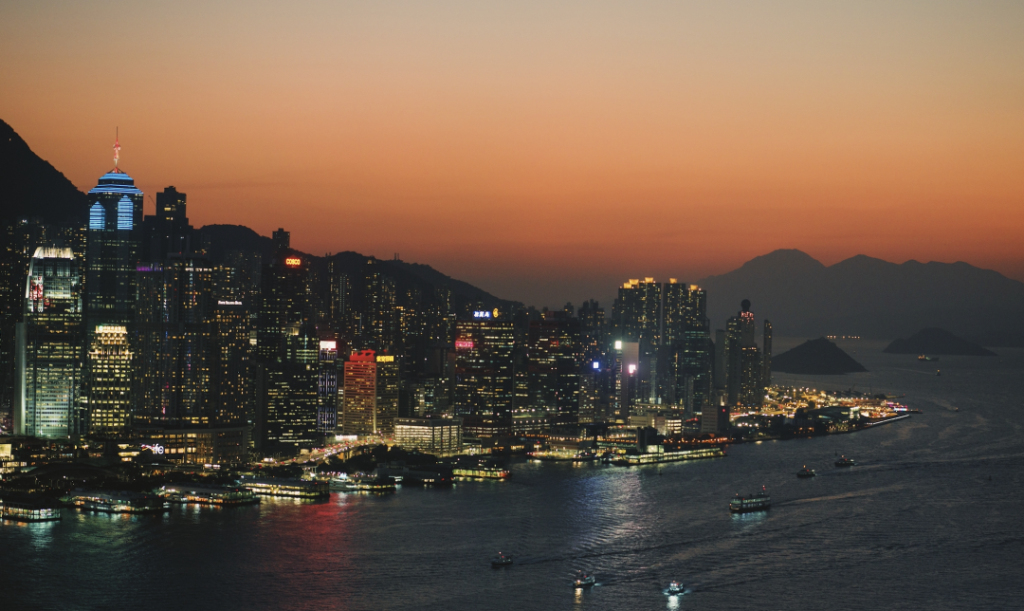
{"x":936,"y":341}
{"x":816,"y":357}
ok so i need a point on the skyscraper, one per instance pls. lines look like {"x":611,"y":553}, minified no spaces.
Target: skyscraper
{"x":555,"y":354}
{"x":49,"y":346}
{"x":288,"y":353}
{"x":742,"y":359}
{"x":637,"y":318}
{"x":371,"y":394}
{"x":327,"y":388}
{"x":484,"y":365}
{"x":112,"y":249}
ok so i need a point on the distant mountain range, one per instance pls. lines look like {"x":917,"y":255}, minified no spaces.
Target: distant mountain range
{"x":871,"y":298}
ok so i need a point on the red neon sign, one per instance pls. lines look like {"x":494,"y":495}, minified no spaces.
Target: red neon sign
{"x":463,"y":344}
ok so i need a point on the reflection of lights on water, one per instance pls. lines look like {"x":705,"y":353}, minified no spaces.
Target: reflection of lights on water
{"x":673,"y":601}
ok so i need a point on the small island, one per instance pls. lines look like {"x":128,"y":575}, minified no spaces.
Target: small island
{"x":816,"y":357}
{"x":936,"y":341}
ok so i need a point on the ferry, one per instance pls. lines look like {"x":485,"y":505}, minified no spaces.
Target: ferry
{"x":116,"y":502}
{"x":379,"y":484}
{"x":501,"y":560}
{"x":805,"y":472}
{"x":675,"y":589}
{"x":845,"y":462}
{"x":583,"y":580}
{"x":758,"y":501}
{"x":209,"y":495}
{"x":481,"y":472}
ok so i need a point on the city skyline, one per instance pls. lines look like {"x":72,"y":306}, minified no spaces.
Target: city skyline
{"x":462,"y":137}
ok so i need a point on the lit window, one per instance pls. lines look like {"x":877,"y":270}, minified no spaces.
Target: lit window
{"x":97,"y":216}
{"x":124,"y":213}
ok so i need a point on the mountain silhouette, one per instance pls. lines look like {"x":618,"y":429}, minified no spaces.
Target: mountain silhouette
{"x":31,"y":187}
{"x":816,"y":357}
{"x":936,"y":341}
{"x":871,"y":298}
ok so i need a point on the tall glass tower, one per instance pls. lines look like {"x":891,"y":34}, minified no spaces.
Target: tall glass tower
{"x":49,"y":345}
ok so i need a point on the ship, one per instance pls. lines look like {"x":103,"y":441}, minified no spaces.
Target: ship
{"x":758,"y":501}
{"x":501,"y":560}
{"x":845,"y":462}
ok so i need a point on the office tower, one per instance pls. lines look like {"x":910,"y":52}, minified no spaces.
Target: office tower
{"x":387,"y":389}
{"x":637,"y":318}
{"x":766,"y":357}
{"x":371,"y":394}
{"x":49,"y":346}
{"x":175,"y":346}
{"x":484,"y":365}
{"x":288,"y":354}
{"x":327,"y":388}
{"x":553,"y":347}
{"x":115,"y":211}
{"x":233,"y":375}
{"x":108,"y":378}
{"x":593,"y":331}
{"x":168,"y":231}
{"x":378,"y":320}
{"x":627,"y":378}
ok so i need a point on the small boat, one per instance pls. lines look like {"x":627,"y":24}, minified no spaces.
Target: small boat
{"x":927,"y":358}
{"x":845,"y":462}
{"x":501,"y":560}
{"x":805,"y":472}
{"x":675,"y":589}
{"x":583,"y":580}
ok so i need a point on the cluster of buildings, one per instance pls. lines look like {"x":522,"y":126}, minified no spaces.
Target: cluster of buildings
{"x":125,"y":330}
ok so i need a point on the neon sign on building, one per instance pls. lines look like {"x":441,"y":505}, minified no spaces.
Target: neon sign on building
{"x":293,"y":261}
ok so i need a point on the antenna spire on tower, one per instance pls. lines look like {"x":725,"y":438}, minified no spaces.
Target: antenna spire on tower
{"x":117,"y":147}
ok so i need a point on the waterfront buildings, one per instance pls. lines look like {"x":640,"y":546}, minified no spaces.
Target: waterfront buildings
{"x":555,"y":354}
{"x":49,"y":346}
{"x":108,"y":378}
{"x":437,"y":436}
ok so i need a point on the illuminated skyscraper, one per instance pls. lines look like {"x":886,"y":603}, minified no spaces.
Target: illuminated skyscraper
{"x":109,"y":381}
{"x":742,"y":359}
{"x":554,"y":351}
{"x":288,"y":349}
{"x":484,"y":365}
{"x":766,"y":357}
{"x":327,"y":388}
{"x":371,"y":394}
{"x":112,"y":251}
{"x":49,"y":346}
{"x":636,"y":316}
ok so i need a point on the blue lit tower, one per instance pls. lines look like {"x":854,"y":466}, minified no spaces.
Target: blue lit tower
{"x":115,"y":212}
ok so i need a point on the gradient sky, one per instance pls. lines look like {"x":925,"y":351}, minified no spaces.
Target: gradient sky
{"x":547,"y":151}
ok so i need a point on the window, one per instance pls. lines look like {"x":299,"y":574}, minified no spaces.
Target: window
{"x":97,"y":217}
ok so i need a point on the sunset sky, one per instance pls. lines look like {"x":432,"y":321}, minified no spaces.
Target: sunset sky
{"x":547,"y":151}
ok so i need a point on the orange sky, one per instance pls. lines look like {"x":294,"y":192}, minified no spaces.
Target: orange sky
{"x":548,"y":151}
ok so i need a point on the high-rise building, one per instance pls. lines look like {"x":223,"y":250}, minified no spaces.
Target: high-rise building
{"x":112,"y":253}
{"x":484,"y":365}
{"x":168,"y":231}
{"x":233,"y":374}
{"x":371,"y":394}
{"x":327,"y":388}
{"x":288,"y":351}
{"x":766,"y":357}
{"x":742,"y":359}
{"x":109,"y":380}
{"x":593,"y":331}
{"x":636,"y":317}
{"x":175,"y":345}
{"x":379,"y":324}
{"x":555,"y":355}
{"x":49,"y":346}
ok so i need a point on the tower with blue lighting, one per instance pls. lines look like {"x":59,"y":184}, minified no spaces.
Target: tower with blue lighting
{"x":112,"y":253}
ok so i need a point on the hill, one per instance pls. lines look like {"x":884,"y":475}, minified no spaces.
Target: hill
{"x":816,"y":357}
{"x":31,"y":187}
{"x":871,"y":298}
{"x":936,"y":341}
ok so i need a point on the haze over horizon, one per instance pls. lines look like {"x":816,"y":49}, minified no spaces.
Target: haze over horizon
{"x":548,"y":153}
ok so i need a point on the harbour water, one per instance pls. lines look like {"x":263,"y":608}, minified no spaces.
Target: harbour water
{"x":930,"y":518}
